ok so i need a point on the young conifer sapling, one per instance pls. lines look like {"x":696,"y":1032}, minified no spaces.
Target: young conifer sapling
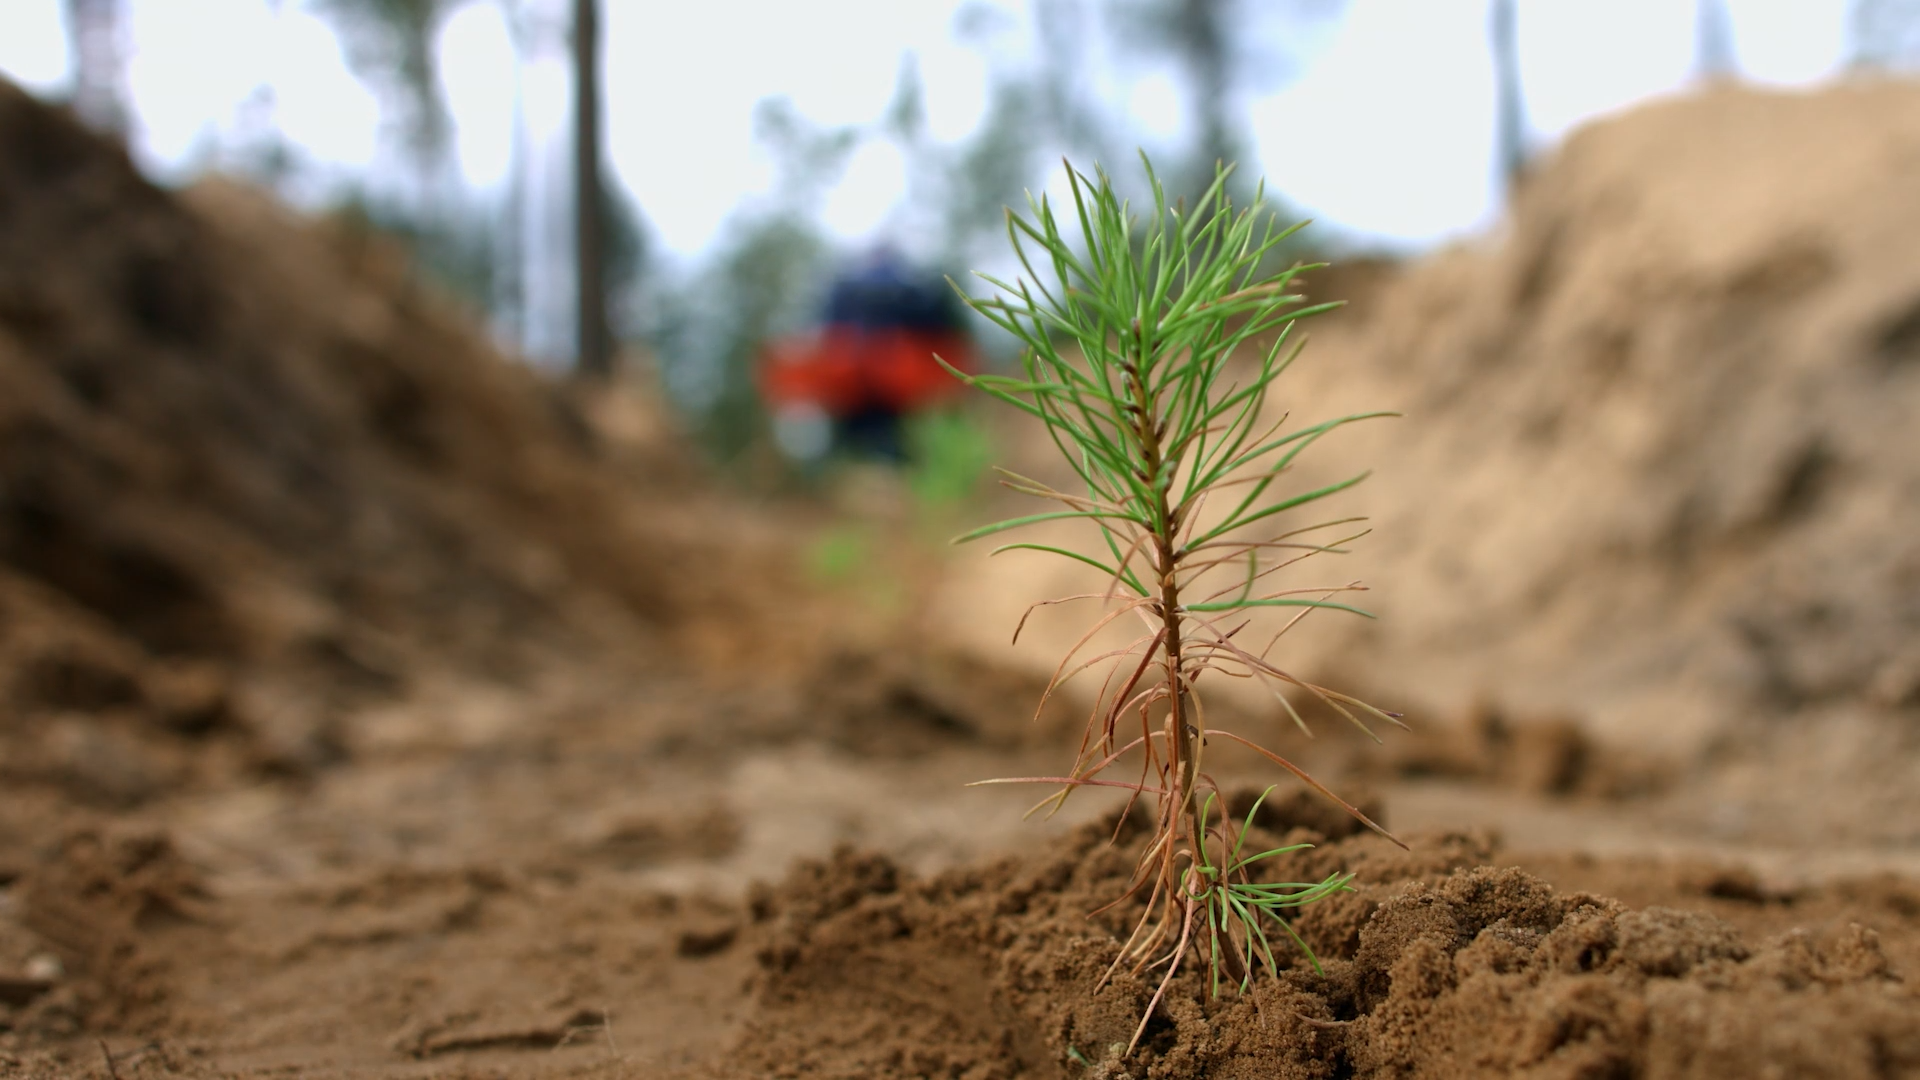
{"x":1129,"y":339}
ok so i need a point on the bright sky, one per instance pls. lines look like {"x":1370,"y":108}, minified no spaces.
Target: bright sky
{"x":1387,"y":131}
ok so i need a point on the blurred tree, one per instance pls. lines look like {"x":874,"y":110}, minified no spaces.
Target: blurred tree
{"x":96,"y":42}
{"x":762,"y":282}
{"x":594,"y":356}
{"x":1062,"y":29}
{"x":905,"y":119}
{"x":389,"y":45}
{"x":626,"y":257}
{"x":1196,"y":31}
{"x":1714,"y":56}
{"x":1225,"y":49}
{"x":768,"y":272}
{"x":1510,"y":135}
{"x":460,"y":252}
{"x":916,"y":222}
{"x":509,"y":299}
{"x":1884,"y":34}
{"x":993,"y":168}
{"x":992,"y":171}
{"x":807,"y":158}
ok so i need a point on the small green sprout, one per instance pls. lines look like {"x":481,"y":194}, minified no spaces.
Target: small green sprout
{"x":1129,"y":340}
{"x":950,"y":455}
{"x":1234,"y":903}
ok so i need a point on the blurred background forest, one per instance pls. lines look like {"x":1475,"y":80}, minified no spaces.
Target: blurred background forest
{"x":700,"y":173}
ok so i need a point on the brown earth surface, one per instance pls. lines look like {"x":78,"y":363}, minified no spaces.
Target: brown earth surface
{"x":369,"y":706}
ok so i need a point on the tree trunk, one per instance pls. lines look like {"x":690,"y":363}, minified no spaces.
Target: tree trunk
{"x":1510,"y":137}
{"x":1713,"y":52}
{"x":94,"y":29}
{"x":594,"y":358}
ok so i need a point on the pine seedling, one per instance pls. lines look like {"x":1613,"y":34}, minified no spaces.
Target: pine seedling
{"x":1129,"y":361}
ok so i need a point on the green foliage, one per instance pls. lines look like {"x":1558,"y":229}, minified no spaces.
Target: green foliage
{"x":626,"y":254}
{"x":1223,"y":51}
{"x":460,"y":253}
{"x":463,"y":251}
{"x":950,"y":453}
{"x":712,"y":329}
{"x":1235,"y":904}
{"x":1131,"y":338}
{"x":390,"y":43}
{"x":759,"y":284}
{"x":852,"y":558}
{"x":992,"y":168}
{"x":837,"y":555}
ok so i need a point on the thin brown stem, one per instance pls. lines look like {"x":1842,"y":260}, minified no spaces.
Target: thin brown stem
{"x":1149,"y":430}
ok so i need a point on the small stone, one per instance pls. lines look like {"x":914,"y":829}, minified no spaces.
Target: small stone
{"x":706,"y":940}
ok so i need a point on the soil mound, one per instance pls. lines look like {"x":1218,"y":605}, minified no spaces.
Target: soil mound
{"x":1666,"y":419}
{"x":252,"y":476}
{"x":1658,"y":464}
{"x":1440,"y":966}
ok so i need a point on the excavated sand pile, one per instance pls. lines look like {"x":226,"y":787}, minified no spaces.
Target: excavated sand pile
{"x":250,"y":475}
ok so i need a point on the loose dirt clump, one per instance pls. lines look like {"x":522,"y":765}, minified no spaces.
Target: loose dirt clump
{"x":1441,"y":966}
{"x":1540,"y":755}
{"x":911,"y":701}
{"x":94,"y":900}
{"x":254,"y":479}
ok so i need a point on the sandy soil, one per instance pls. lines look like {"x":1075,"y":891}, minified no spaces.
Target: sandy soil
{"x":370,"y":708}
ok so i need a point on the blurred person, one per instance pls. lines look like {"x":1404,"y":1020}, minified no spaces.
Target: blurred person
{"x":849,"y":386}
